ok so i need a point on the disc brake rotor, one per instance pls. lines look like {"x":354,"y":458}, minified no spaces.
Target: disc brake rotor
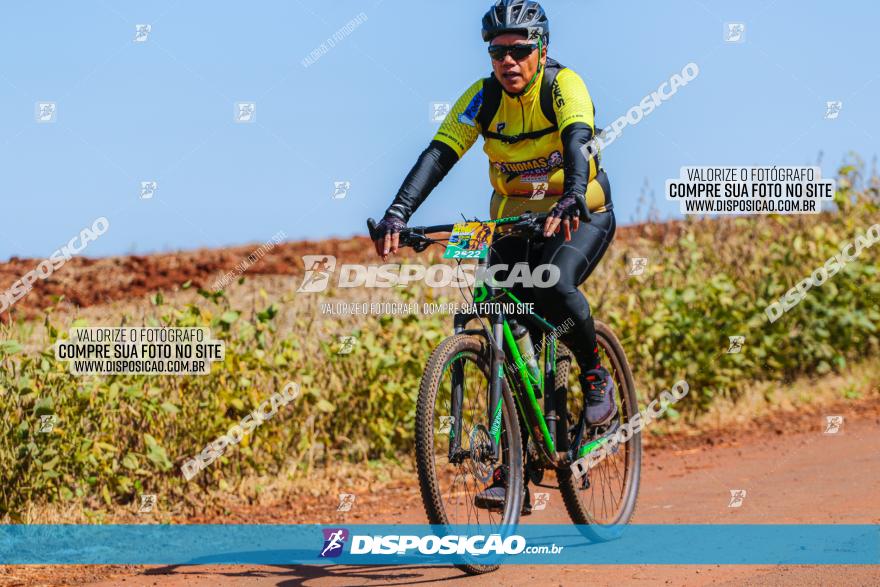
{"x":482,"y":464}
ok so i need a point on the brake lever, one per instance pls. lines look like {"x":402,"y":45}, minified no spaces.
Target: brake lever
{"x":371,"y":228}
{"x":531,"y":225}
{"x":415,"y":237}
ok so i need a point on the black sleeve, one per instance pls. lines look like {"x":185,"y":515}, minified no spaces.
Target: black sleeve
{"x":576,"y":167}
{"x":432,"y":166}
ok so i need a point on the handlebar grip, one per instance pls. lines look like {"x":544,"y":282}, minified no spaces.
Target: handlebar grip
{"x":371,"y":227}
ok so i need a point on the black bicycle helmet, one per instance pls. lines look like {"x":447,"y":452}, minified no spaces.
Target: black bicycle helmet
{"x":516,"y":16}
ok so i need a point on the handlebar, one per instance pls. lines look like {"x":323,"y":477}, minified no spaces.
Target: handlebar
{"x":418,"y":230}
{"x":529,"y":224}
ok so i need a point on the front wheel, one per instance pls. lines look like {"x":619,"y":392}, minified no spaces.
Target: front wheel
{"x":605,"y":498}
{"x":453,"y":441}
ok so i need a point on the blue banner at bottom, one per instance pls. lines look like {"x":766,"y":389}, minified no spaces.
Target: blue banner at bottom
{"x":771,"y":544}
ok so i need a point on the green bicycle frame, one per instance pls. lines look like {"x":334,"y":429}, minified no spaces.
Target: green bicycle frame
{"x":529,"y":384}
{"x":542,"y":426}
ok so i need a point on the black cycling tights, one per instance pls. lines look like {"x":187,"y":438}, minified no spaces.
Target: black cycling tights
{"x":576,"y":260}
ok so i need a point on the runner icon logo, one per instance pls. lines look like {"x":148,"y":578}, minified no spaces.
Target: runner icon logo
{"x":318,"y":270}
{"x":340,"y":189}
{"x":142,"y":32}
{"x":346,"y":500}
{"x":245,"y":112}
{"x":832,"y":109}
{"x":446,"y":423}
{"x":148,"y":189}
{"x":334,"y":540}
{"x":439,"y":111}
{"x":539,"y":190}
{"x":833,"y":424}
{"x":148,"y":502}
{"x":638,"y":265}
{"x":346,"y":344}
{"x":47,"y":423}
{"x":734,"y":32}
{"x":737,"y":496}
{"x":736,"y":344}
{"x":541,"y":501}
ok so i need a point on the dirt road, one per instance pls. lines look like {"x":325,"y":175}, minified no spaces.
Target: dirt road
{"x":792,"y":474}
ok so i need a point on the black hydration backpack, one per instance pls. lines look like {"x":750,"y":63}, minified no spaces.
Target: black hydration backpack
{"x":492,"y":100}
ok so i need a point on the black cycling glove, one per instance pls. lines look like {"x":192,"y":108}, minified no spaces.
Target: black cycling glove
{"x":566,"y":209}
{"x":389,"y":224}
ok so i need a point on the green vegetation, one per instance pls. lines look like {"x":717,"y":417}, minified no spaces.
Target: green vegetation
{"x":119,"y":436}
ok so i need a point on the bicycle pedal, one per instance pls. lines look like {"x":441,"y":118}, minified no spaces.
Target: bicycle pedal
{"x":605,"y":430}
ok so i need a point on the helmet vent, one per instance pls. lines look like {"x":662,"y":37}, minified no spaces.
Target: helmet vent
{"x":515,"y":16}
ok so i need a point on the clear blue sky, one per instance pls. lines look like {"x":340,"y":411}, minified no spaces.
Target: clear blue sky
{"x":163,"y":109}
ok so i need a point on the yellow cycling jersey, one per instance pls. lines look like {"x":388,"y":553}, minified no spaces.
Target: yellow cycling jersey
{"x":528,"y":174}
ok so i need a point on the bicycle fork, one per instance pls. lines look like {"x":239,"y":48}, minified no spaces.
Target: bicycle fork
{"x":497,"y":381}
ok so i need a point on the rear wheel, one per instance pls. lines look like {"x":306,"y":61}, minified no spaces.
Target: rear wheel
{"x":606,"y":496}
{"x":460,"y":368}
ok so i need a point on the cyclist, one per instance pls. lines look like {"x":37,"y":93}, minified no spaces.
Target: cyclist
{"x":535,"y":116}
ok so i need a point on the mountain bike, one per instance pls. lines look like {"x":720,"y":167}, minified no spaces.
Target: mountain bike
{"x":477,"y":391}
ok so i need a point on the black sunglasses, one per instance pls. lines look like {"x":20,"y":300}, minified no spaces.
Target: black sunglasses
{"x":518,"y":52}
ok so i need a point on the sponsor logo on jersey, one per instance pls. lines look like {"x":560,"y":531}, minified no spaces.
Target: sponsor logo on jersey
{"x":470,"y":113}
{"x":538,"y":167}
{"x":557,"y":94}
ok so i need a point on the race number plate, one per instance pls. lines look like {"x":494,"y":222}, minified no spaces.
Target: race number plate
{"x":470,"y":240}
